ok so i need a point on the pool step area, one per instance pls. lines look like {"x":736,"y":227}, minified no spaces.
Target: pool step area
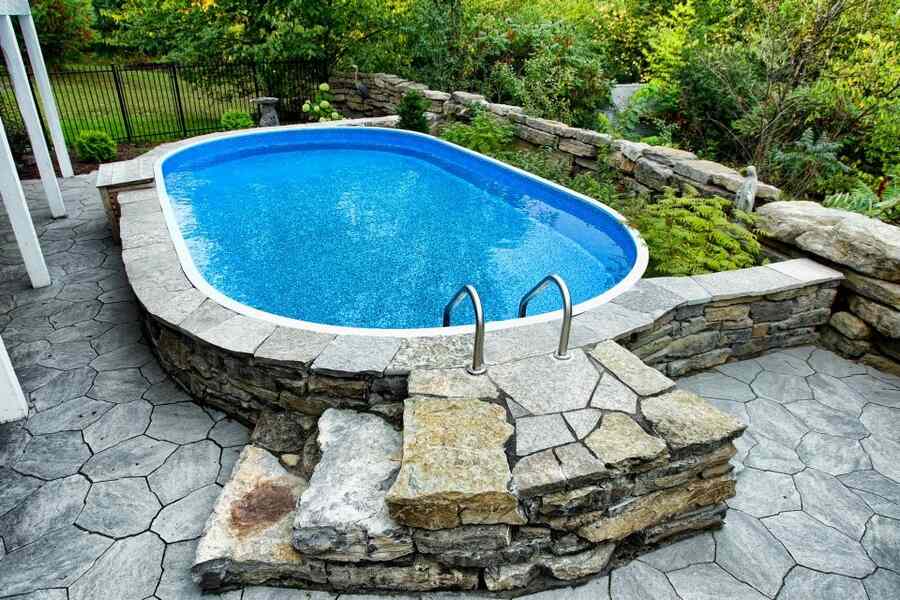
{"x":540,"y":474}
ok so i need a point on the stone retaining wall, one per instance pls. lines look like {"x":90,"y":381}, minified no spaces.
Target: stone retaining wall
{"x":866,"y":320}
{"x":709,"y":331}
{"x":245,"y":366}
{"x":644,"y":168}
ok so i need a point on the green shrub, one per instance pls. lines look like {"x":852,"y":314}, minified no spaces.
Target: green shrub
{"x":689,"y":235}
{"x":95,"y":146}
{"x":319,"y":107}
{"x":486,"y":134}
{"x":236,"y":119}
{"x":412,"y":109}
{"x":809,"y":165}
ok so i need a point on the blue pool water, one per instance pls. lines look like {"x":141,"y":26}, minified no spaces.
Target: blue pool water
{"x":377,"y":228}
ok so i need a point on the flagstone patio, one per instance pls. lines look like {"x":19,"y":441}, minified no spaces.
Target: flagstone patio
{"x":105,"y":489}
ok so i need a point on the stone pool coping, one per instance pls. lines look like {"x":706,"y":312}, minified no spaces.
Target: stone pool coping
{"x":193,"y":274}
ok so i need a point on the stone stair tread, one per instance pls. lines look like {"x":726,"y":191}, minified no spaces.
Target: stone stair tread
{"x":455,"y":470}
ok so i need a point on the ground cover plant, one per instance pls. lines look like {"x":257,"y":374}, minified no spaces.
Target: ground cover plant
{"x":236,"y":119}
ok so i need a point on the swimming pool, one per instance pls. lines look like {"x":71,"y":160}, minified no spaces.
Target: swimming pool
{"x":338,"y":227}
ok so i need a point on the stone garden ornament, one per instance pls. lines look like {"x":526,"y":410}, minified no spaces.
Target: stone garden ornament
{"x":745,"y":196}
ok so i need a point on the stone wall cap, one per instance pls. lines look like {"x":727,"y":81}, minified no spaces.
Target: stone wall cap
{"x":293,"y":346}
{"x":685,"y":287}
{"x":124,"y":173}
{"x":807,"y":271}
{"x":357,"y":354}
{"x":630,"y":370}
{"x":685,"y":421}
{"x":667,"y":155}
{"x":647,"y":297}
{"x":754,"y":281}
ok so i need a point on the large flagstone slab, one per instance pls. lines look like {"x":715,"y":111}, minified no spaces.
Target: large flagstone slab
{"x":454,"y":470}
{"x":342,"y":515}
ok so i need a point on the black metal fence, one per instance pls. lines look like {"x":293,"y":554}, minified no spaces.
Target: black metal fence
{"x":150,"y":102}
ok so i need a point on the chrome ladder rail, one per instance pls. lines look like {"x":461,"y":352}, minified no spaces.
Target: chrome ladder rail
{"x":477,"y":367}
{"x":562,"y":351}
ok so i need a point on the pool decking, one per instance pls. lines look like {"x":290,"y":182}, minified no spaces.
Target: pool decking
{"x":106,"y":486}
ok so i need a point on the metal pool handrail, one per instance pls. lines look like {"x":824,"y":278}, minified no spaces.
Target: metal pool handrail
{"x":562,"y":351}
{"x":477,"y":367}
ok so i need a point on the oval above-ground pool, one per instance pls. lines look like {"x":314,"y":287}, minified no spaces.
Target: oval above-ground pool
{"x":336,"y":227}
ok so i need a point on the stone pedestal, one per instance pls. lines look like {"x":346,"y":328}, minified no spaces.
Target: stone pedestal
{"x":268,"y":116}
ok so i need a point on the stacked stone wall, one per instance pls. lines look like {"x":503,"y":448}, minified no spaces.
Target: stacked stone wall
{"x":865,"y":323}
{"x":644,"y":168}
{"x":699,"y":336}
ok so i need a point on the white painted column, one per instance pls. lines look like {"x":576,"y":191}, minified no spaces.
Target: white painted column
{"x":12,"y":400}
{"x":36,"y":58}
{"x":19,"y":76}
{"x":19,"y":217}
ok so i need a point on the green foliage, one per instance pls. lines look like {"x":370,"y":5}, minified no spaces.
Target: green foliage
{"x":689,"y":234}
{"x":744,"y":89}
{"x":686,"y":235}
{"x":879,"y":202}
{"x":236,"y":119}
{"x":95,"y":146}
{"x":411,"y":110}
{"x":319,"y":107}
{"x":485,"y":133}
{"x":239,"y":30}
{"x":64,"y":27}
{"x":808,"y":164}
{"x":505,"y":50}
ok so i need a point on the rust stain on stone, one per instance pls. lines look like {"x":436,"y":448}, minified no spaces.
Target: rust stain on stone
{"x":262,"y":506}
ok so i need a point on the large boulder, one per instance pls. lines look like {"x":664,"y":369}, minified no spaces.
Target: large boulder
{"x":863,"y":244}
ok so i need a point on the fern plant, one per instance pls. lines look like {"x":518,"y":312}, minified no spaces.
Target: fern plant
{"x":882,"y":203}
{"x":690,"y":235}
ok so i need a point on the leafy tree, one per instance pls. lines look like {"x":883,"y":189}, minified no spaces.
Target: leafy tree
{"x":64,"y":28}
{"x":808,"y":163}
{"x":320,"y":31}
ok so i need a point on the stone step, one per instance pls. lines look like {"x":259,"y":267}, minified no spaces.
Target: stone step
{"x":248,"y":541}
{"x":342,"y":515}
{"x":536,"y":476}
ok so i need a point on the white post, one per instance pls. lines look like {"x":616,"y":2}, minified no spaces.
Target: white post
{"x":19,"y":217}
{"x":36,"y":58}
{"x":19,"y":76}
{"x":12,"y":401}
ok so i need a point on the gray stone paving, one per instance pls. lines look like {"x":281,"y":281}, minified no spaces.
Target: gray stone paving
{"x":104,"y":488}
